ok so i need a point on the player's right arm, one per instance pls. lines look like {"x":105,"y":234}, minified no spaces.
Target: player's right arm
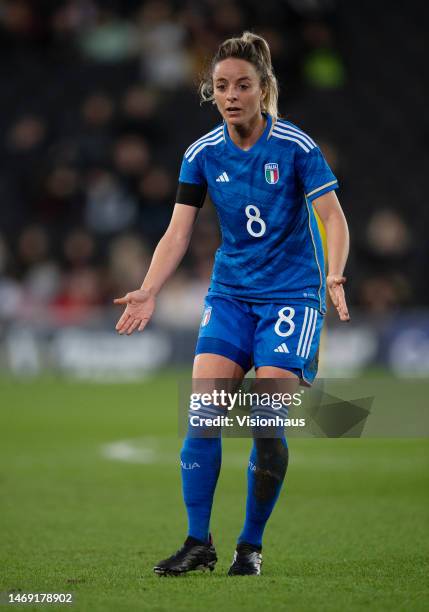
{"x":140,"y":304}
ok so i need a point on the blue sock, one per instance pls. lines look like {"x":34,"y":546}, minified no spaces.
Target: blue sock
{"x":266,"y":471}
{"x":200,"y":462}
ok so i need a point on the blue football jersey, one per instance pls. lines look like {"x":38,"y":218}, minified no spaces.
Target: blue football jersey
{"x":271,"y":249}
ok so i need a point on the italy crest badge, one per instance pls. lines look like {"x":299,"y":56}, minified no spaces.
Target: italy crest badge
{"x":271,"y":173}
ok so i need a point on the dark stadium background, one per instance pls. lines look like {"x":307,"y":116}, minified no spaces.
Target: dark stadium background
{"x":97,"y":104}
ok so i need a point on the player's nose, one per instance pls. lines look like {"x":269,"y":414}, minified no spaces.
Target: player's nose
{"x":231,"y":95}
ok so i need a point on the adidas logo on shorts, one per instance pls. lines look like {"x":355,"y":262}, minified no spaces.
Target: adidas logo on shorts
{"x":282,"y":348}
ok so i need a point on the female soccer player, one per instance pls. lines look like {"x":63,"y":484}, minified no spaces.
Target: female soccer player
{"x":266,"y":301}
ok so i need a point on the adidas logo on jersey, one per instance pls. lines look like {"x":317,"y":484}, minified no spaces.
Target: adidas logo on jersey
{"x":282,"y":348}
{"x":223,"y":178}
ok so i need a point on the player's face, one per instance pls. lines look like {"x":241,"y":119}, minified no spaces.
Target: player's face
{"x":237,"y":91}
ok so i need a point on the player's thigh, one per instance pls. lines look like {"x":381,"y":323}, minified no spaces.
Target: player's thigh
{"x":227,"y":330}
{"x":215,"y":372}
{"x":210,"y":366}
{"x":270,"y":379}
{"x":274,"y":372}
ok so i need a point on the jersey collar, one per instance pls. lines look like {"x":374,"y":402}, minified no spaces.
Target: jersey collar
{"x":258,"y":144}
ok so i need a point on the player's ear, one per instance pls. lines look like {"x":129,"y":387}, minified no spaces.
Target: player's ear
{"x":264,"y":91}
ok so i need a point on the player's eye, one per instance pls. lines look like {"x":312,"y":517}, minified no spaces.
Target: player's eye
{"x":243,"y":86}
{"x":220,"y":87}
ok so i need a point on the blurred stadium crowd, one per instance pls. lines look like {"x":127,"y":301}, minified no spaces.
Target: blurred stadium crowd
{"x":99,"y":103}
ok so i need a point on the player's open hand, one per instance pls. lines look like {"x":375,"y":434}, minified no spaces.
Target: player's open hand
{"x":336,"y":291}
{"x":140,"y":305}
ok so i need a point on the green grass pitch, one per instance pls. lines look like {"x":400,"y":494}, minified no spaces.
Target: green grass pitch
{"x":90,"y":499}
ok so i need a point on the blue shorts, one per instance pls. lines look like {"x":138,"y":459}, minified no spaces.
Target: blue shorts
{"x":253,"y":334}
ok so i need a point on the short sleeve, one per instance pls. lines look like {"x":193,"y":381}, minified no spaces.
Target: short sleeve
{"x":191,"y":171}
{"x":314,"y":173}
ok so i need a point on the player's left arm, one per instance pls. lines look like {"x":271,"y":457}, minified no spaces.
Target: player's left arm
{"x":331,"y":214}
